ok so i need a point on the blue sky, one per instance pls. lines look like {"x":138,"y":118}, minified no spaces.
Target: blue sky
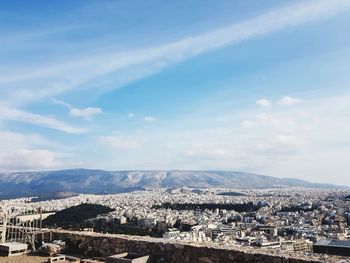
{"x":221,"y":85}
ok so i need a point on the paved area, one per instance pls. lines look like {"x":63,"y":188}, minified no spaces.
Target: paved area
{"x":23,"y":259}
{"x":27,"y":259}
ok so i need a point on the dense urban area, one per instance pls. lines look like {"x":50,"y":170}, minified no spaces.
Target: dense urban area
{"x":275,"y":219}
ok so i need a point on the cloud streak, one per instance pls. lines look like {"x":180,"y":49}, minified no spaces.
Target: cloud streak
{"x":285,"y":141}
{"x":263,"y":103}
{"x":289,"y":101}
{"x":24,"y":159}
{"x":85,"y":113}
{"x":149,"y":119}
{"x":19,"y":151}
{"x":133,"y":65}
{"x":12,"y":114}
{"x":120,"y":142}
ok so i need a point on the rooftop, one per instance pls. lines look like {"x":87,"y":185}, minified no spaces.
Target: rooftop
{"x":333,"y":243}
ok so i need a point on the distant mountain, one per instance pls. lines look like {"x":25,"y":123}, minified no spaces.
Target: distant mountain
{"x":99,"y":181}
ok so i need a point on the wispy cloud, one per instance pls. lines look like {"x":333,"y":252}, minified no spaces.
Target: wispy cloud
{"x":133,"y":65}
{"x":263,"y":103}
{"x":20,"y":151}
{"x":120,"y":142}
{"x":24,"y":159}
{"x":12,"y":114}
{"x":294,"y":138}
{"x":248,"y":124}
{"x":85,"y":113}
{"x":62,"y":103}
{"x":149,"y":119}
{"x":289,"y":101}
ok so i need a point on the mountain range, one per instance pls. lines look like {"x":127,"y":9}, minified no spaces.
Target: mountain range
{"x":79,"y":181}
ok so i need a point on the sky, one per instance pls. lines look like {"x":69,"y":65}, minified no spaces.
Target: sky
{"x":252,"y":86}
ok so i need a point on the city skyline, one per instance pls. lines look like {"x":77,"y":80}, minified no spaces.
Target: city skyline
{"x":132,"y":85}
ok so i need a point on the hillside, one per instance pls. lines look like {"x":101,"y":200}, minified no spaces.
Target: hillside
{"x":101,"y":182}
{"x":74,"y":216}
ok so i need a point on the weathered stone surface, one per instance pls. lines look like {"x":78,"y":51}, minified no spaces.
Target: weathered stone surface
{"x":161,"y":250}
{"x":205,"y":260}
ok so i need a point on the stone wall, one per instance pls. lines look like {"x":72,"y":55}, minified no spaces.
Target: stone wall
{"x":161,"y":250}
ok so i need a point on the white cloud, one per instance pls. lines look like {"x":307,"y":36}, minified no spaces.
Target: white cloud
{"x":136,"y":64}
{"x":205,"y":153}
{"x":248,"y":124}
{"x":280,"y":121}
{"x":28,"y":152}
{"x":12,"y":114}
{"x":293,"y":142}
{"x":62,"y":103}
{"x":282,"y":145}
{"x":12,"y":140}
{"x":120,"y":142}
{"x":289,"y":101}
{"x":84,"y":113}
{"x":292,"y":138}
{"x":131,"y":115}
{"x":149,"y":119}
{"x":26,"y":159}
{"x":263,"y":103}
{"x":288,"y":139}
